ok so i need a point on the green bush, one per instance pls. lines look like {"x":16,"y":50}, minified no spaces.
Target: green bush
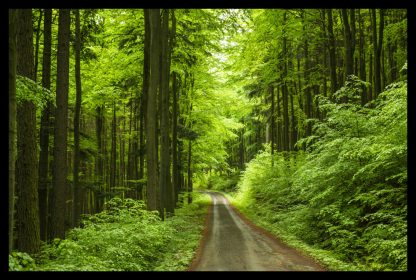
{"x":19,"y":261}
{"x":348,"y":193}
{"x":224,"y":182}
{"x":125,"y":237}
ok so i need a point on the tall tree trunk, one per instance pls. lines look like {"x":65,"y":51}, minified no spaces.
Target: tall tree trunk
{"x":348,"y":47}
{"x":294,"y":133}
{"x":152,"y":157}
{"x":175,"y":169}
{"x":165,"y":190}
{"x":362,"y":74}
{"x":324,"y":53}
{"x":130,"y":150}
{"x":38,"y":33}
{"x":353,"y":33}
{"x":332,"y":55}
{"x":285,"y":91}
{"x":12,"y":121}
{"x":241,"y":150}
{"x":113,"y":155}
{"x":61,"y":127}
{"x":77,"y":193}
{"x":285,"y":118}
{"x":26,"y":166}
{"x":189,"y":186}
{"x":371,"y":79}
{"x":99,"y":121}
{"x":377,"y":46}
{"x":45,"y":127}
{"x":308,"y":105}
{"x":380,"y":50}
{"x":279,"y":123}
{"x":143,"y":100}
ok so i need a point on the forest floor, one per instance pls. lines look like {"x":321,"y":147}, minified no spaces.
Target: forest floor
{"x":233,"y":243}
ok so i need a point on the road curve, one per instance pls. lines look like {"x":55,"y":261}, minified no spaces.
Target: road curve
{"x":231,"y":244}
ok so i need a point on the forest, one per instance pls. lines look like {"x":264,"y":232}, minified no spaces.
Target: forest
{"x":123,"y":121}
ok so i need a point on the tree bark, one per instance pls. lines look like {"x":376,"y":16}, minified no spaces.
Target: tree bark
{"x":113,"y":155}
{"x":348,"y":48}
{"x":152,"y":157}
{"x":165,"y":186}
{"x":99,"y":163}
{"x":294,"y":133}
{"x":37,"y":44}
{"x":285,"y":91}
{"x":332,"y":55}
{"x":377,"y":46}
{"x":61,"y":127}
{"x":12,"y":121}
{"x":189,"y":186}
{"x":279,"y":123}
{"x":27,"y":164}
{"x":353,"y":33}
{"x":308,"y":105}
{"x":362,"y":57}
{"x":175,"y":168}
{"x":77,"y":189}
{"x":45,"y":127}
{"x":143,"y":100}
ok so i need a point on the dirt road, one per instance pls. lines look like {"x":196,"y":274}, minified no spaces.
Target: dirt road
{"x":232,"y":244}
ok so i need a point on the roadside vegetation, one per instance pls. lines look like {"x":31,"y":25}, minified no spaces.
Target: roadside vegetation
{"x":344,"y":200}
{"x":123,"y":237}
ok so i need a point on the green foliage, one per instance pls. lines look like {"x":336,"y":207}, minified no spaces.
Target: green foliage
{"x":29,"y":90}
{"x":19,"y":261}
{"x":124,"y":237}
{"x":346,"y":197}
{"x":223,"y":182}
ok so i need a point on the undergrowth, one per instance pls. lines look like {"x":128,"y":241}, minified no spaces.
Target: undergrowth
{"x":124,"y":237}
{"x":343,"y":200}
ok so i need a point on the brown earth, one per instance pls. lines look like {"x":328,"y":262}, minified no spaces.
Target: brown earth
{"x":233,"y":243}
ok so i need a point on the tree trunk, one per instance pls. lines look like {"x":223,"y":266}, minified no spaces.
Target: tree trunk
{"x":12,"y":121}
{"x":241,"y":149}
{"x":294,"y":133}
{"x":61,"y":127}
{"x":362,"y":57}
{"x":143,"y":100}
{"x":77,"y":193}
{"x":152,"y":157}
{"x":26,"y":166}
{"x":348,"y":46}
{"x":189,"y":188}
{"x":279,"y":123}
{"x":100,"y":156}
{"x":377,"y":46}
{"x":371,"y":79}
{"x":130,"y":151}
{"x":121,"y":177}
{"x":175,"y":168}
{"x":308,"y":105}
{"x":37,"y":38}
{"x":353,"y":32}
{"x":332,"y":56}
{"x":45,"y":127}
{"x":285,"y":91}
{"x":165,"y":190}
{"x":113,"y":155}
